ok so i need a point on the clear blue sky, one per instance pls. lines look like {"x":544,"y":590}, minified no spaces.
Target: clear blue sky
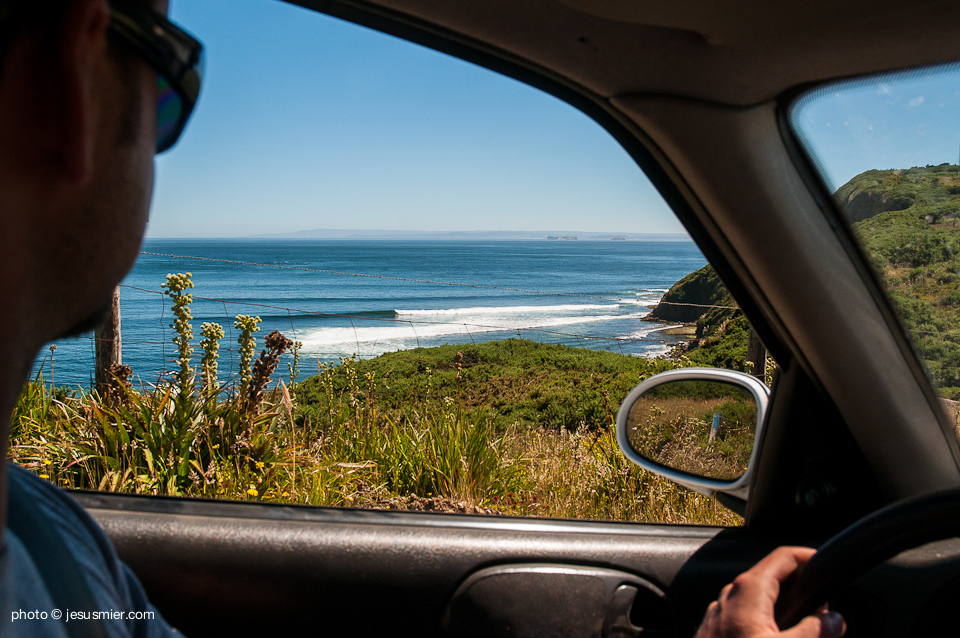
{"x":308,"y":122}
{"x":901,"y":121}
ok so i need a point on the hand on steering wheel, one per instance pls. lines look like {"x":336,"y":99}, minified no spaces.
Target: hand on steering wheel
{"x":745,"y":608}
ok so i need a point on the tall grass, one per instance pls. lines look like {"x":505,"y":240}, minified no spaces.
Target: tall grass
{"x":346,"y":452}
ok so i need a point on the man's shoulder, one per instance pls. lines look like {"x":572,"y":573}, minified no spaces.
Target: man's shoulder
{"x":74,"y":561}
{"x":39,"y":510}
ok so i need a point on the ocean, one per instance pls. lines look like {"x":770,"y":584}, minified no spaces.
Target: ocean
{"x":377,"y":296}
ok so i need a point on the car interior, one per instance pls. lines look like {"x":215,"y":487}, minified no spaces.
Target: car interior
{"x":699,"y":96}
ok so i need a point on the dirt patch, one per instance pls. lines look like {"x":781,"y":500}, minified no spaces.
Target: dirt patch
{"x":952,"y":408}
{"x":686,"y":330}
{"x":436,"y":504}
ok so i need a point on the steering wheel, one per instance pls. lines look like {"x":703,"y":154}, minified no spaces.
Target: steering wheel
{"x":868,"y":542}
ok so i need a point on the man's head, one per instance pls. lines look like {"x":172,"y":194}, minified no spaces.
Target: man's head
{"x":79,"y":98}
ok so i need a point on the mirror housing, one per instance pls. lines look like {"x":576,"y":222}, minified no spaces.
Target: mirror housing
{"x":738,"y":487}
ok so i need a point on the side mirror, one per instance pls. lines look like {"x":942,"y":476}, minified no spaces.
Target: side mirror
{"x":696,"y":427}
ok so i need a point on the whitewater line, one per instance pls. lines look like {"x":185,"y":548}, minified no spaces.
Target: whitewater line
{"x":398,"y":321}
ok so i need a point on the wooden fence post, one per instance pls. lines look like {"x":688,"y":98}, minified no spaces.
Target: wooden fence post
{"x":107,"y":338}
{"x":756,"y":355}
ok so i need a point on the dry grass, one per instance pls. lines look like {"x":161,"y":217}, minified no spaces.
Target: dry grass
{"x":584,"y":474}
{"x":675,"y":432}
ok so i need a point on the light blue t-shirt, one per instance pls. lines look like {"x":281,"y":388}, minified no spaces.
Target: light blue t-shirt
{"x":60,"y":576}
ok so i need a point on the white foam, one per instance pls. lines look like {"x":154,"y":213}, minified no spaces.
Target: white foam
{"x":655,"y":351}
{"x":503,"y":310}
{"x":645,"y":297}
{"x":394,"y":335}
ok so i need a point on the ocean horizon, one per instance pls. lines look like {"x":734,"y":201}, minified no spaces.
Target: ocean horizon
{"x":470,"y":235}
{"x":364,"y":297}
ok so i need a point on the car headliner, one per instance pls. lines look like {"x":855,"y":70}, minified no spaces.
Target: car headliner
{"x":727,"y":51}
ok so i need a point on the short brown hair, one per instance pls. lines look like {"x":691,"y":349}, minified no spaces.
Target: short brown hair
{"x":20,"y":16}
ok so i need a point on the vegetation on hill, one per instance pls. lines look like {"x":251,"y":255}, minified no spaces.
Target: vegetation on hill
{"x":925,"y":189}
{"x":906,"y":221}
{"x":722,"y":331}
{"x":399,"y":431}
{"x":688,"y":299}
{"x":916,"y":251}
{"x":522,"y":382}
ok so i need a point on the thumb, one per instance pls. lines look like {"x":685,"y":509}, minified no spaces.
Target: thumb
{"x":824,"y":624}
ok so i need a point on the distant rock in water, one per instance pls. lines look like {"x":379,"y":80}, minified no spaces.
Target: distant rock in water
{"x":692,"y":297}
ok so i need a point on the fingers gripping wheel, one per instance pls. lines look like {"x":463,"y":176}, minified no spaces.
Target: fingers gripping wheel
{"x":865,"y":544}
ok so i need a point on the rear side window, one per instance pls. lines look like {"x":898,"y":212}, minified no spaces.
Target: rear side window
{"x":888,"y":147}
{"x":379,"y":277}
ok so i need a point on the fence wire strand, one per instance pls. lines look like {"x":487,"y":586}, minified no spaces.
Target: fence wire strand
{"x":419,"y":281}
{"x":168,"y":359}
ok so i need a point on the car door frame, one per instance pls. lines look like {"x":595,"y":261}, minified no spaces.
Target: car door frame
{"x":246,"y":567}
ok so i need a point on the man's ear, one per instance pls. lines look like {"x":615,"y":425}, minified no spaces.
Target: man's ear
{"x":82,"y":44}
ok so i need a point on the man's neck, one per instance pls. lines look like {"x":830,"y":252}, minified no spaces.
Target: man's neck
{"x":9,"y":393}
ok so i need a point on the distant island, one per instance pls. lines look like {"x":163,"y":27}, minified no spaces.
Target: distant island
{"x":473,"y":235}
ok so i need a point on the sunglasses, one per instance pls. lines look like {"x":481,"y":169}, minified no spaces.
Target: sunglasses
{"x":175,"y":55}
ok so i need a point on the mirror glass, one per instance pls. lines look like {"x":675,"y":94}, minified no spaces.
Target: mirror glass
{"x":704,"y":428}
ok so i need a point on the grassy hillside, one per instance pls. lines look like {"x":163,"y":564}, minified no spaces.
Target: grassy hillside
{"x":523,"y":382}
{"x":916,"y":251}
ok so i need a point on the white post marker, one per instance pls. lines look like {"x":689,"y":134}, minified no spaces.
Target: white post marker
{"x":715,"y":427}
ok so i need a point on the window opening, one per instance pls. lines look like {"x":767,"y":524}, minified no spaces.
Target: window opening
{"x":491,"y":276}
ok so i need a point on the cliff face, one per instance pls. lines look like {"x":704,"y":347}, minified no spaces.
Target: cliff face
{"x":722,"y":330}
{"x":879,"y":191}
{"x":686,"y":300}
{"x":865,"y":204}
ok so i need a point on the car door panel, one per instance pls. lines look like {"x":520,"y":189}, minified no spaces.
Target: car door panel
{"x":249,"y":568}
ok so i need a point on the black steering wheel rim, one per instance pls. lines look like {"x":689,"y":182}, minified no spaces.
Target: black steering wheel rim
{"x":868,"y":542}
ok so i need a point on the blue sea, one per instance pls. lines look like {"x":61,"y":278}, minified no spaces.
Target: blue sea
{"x":346,"y":297}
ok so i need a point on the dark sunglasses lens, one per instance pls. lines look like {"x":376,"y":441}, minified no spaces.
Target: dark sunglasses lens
{"x":169,"y":114}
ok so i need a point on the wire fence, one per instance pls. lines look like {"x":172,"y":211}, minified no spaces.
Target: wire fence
{"x":473,"y":331}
